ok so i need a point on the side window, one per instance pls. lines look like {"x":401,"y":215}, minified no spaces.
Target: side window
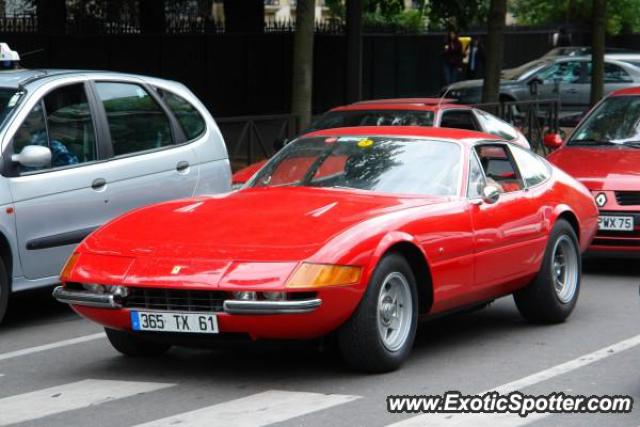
{"x":187,"y":115}
{"x":533,"y":169}
{"x":495,"y":126}
{"x":63,"y":123}
{"x":499,"y":168}
{"x":136,"y":121}
{"x":566,"y":72}
{"x":476,"y":178}
{"x":458,"y":119}
{"x":615,"y":74}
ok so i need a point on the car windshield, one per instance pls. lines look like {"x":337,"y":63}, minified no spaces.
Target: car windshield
{"x":615,"y":121}
{"x":340,"y":119}
{"x":523,"y":71}
{"x":9,"y":98}
{"x":380,"y":164}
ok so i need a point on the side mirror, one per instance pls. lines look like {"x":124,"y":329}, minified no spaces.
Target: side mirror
{"x":490,"y":194}
{"x":33,"y":156}
{"x":552,"y":140}
{"x":279,"y":143}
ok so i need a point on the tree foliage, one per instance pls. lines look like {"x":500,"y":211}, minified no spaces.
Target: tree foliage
{"x":459,"y":14}
{"x":622,"y":15}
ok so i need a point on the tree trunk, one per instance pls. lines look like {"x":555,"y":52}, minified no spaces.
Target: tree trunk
{"x":597,"y":50}
{"x":244,"y":16}
{"x":494,"y":50}
{"x":152,"y":17}
{"x":354,"y":50}
{"x":52,"y":16}
{"x":301,"y":91}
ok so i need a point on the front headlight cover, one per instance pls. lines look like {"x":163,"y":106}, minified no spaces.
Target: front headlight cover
{"x":309,"y":275}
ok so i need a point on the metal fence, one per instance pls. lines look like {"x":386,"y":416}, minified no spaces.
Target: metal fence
{"x":533,"y":118}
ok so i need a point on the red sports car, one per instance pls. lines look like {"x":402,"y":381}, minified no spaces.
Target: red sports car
{"x":434,"y":112}
{"x":374,"y":228}
{"x":603,"y":152}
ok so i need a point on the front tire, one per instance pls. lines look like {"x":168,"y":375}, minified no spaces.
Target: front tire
{"x":553,"y":294}
{"x":5,"y":289}
{"x":135,"y":346}
{"x":380,"y":334}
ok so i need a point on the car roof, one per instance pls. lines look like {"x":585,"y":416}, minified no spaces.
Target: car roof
{"x":35,"y":77}
{"x":416,"y":104}
{"x":467,"y":137}
{"x":626,"y":91}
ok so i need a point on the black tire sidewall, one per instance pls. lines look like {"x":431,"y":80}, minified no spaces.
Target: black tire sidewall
{"x":5,"y":290}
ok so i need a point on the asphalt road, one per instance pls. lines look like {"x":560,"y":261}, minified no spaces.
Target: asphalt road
{"x":88,"y":383}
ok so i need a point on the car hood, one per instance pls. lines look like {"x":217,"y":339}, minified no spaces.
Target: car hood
{"x":265,"y":224}
{"x":601,"y":168}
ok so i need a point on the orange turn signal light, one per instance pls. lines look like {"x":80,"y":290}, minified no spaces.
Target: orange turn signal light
{"x":66,"y":270}
{"x":309,"y":275}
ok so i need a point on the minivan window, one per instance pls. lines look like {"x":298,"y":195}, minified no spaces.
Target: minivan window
{"x":136,"y":121}
{"x":187,"y":115}
{"x":69,"y":131}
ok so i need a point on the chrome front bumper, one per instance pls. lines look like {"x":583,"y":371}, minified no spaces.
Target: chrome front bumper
{"x":91,"y":299}
{"x":85,"y":298}
{"x":271,"y":307}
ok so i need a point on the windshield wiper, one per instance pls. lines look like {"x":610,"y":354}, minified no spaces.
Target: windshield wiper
{"x":592,"y":141}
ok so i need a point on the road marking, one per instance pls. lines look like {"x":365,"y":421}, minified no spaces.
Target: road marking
{"x":256,"y":410}
{"x":538,"y":377}
{"x":45,"y":347}
{"x":50,"y":401}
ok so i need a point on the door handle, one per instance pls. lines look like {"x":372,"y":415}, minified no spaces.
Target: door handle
{"x":572,"y":91}
{"x":182,"y":166}
{"x":99,"y":184}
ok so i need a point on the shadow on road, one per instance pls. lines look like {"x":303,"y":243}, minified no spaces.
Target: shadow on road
{"x":35,"y":307}
{"x":612,"y":266}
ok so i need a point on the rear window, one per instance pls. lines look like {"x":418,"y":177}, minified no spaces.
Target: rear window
{"x":339,"y":119}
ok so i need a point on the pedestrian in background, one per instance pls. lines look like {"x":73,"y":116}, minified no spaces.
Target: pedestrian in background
{"x":452,"y":57}
{"x":475,"y":59}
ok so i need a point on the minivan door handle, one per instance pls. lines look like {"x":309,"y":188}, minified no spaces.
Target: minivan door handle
{"x":99,"y":184}
{"x":182,"y":166}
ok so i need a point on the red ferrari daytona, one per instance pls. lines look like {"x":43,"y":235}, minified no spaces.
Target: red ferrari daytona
{"x":352,"y":231}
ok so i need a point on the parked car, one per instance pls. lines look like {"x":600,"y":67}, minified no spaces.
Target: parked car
{"x":603,"y":152}
{"x":371,"y":228}
{"x":82,"y":147}
{"x":583,"y":50}
{"x":437,"y":112}
{"x":567,"y":78}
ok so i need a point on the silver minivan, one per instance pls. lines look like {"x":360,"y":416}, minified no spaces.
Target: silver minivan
{"x":82,"y":147}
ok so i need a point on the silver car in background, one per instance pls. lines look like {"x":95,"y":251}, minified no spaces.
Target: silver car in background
{"x":80,"y":148}
{"x":565,"y":77}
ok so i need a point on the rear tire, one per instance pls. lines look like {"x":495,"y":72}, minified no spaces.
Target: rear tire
{"x":379,"y":336}
{"x":553,"y":294}
{"x":135,"y":346}
{"x":5,"y":289}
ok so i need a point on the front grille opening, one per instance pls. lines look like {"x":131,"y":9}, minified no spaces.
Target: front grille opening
{"x":175,"y":299}
{"x":628,"y":198}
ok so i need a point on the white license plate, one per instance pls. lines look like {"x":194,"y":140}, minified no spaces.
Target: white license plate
{"x":615,"y":223}
{"x":199,"y":323}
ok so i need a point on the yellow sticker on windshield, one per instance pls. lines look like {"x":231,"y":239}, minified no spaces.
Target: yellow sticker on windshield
{"x":364,"y":143}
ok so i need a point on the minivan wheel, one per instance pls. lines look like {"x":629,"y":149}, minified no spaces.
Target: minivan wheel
{"x":135,"y":346}
{"x":553,"y":294}
{"x":379,"y":335}
{"x":4,"y":290}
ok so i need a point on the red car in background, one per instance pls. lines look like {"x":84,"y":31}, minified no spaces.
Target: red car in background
{"x":374,"y":228}
{"x":603,"y":153}
{"x":436,"y":112}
